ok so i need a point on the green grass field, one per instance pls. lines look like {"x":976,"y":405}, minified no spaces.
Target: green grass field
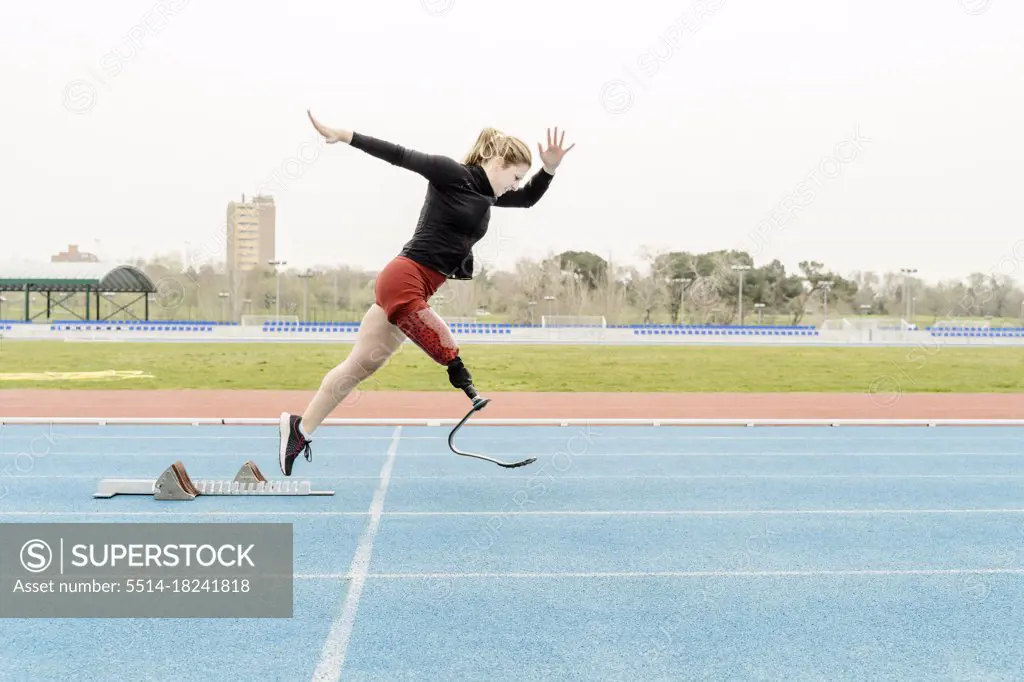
{"x":527,"y":368}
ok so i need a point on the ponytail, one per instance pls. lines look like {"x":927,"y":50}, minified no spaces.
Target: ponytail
{"x":486,"y":147}
{"x":493,"y":143}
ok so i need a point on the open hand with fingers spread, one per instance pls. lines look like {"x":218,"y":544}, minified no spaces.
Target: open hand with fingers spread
{"x":552,"y":156}
{"x":331,"y":135}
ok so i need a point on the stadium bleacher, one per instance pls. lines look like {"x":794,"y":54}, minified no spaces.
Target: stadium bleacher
{"x":137,"y":325}
{"x":274,"y":326}
{"x":723,"y":330}
{"x":978,"y":331}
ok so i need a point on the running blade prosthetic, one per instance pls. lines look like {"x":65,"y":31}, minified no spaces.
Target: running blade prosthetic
{"x":479,"y":404}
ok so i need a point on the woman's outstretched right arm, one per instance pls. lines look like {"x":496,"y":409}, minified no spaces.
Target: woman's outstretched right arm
{"x":438,"y":169}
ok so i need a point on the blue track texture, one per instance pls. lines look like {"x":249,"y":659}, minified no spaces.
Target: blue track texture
{"x":623,"y":553}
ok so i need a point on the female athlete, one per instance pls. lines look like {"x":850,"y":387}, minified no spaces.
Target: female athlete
{"x":454,"y":217}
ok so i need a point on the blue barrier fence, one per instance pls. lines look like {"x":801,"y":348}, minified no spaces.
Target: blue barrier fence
{"x":273,"y":326}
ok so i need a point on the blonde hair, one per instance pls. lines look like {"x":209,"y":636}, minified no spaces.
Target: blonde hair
{"x":493,"y":143}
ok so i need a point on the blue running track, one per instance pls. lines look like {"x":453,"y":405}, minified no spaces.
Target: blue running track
{"x":623,"y":553}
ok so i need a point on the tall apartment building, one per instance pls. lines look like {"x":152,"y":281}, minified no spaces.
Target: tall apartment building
{"x":251,"y":228}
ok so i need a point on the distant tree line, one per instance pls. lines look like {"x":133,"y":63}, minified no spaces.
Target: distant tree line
{"x":705,"y":287}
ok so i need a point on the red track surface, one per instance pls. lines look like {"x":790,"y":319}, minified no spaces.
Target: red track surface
{"x":413,"y":405}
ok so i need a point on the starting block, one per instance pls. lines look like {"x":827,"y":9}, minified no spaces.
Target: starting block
{"x":175,"y":484}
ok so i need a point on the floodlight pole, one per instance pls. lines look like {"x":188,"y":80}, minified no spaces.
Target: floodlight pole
{"x":277,"y":297}
{"x":305,"y":287}
{"x":741,"y":269}
{"x":905,"y":272}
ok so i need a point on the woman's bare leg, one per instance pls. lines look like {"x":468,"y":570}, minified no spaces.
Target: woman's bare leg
{"x":376,"y":342}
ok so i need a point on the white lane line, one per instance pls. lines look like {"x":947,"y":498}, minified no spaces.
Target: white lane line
{"x":669,"y":574}
{"x":376,"y":515}
{"x":335,"y":648}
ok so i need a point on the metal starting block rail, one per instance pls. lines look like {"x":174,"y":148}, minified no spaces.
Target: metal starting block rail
{"x":175,"y":484}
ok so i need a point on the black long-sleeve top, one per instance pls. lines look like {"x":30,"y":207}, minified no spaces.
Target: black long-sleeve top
{"x":457,"y":207}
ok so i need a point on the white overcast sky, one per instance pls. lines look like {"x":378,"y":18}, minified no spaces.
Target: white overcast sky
{"x":179,"y":106}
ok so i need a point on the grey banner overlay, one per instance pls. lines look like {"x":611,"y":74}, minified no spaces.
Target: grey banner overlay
{"x":146,"y":570}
